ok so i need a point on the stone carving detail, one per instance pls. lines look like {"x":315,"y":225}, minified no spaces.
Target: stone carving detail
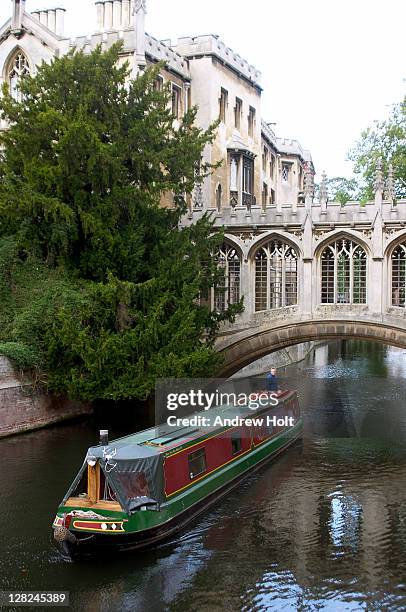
{"x":379,"y":182}
{"x":309,"y":182}
{"x":332,"y":308}
{"x":390,"y":187}
{"x":323,"y":195}
{"x":397,"y":312}
{"x":391,"y":231}
{"x":249,"y":236}
{"x":281,"y":314}
{"x":367,"y":233}
{"x":320,"y":233}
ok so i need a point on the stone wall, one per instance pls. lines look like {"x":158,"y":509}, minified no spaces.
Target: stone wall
{"x":22,"y":408}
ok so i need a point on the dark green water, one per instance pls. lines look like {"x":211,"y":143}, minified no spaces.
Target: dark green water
{"x":321,"y":528}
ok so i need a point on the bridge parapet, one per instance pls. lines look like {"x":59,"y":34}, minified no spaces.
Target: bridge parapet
{"x":335,"y":213}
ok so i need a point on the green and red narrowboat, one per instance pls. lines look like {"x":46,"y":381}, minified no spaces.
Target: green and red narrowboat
{"x":138,"y":490}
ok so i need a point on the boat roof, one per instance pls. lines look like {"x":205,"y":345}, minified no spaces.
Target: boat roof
{"x":164,"y":438}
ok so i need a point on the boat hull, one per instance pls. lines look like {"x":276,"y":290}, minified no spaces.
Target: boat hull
{"x":177,"y":513}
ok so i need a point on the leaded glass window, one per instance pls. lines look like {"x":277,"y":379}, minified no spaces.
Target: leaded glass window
{"x":229,"y":292}
{"x":343,"y":273}
{"x":275,"y":276}
{"x":19,"y":68}
{"x":399,"y":276}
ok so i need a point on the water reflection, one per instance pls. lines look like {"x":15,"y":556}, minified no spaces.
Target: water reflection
{"x":321,"y":528}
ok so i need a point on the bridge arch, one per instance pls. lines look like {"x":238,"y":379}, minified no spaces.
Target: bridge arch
{"x":253,"y":345}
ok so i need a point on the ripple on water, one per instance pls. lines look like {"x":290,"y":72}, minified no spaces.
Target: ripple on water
{"x":323,"y":527}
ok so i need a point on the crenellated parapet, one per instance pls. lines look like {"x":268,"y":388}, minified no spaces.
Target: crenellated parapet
{"x":212,"y":45}
{"x":159,"y":51}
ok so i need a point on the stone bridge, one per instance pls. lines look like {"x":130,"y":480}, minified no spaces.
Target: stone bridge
{"x":317,"y":271}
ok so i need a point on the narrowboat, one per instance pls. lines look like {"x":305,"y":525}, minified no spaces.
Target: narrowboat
{"x":139,"y":490}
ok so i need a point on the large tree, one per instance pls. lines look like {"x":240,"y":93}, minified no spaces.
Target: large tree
{"x":101,"y":282}
{"x":385,"y":140}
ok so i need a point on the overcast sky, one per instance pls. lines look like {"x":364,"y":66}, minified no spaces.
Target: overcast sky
{"x":329,"y":68}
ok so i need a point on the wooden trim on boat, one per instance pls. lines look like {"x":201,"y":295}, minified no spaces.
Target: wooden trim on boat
{"x":83,"y":502}
{"x":93,"y":482}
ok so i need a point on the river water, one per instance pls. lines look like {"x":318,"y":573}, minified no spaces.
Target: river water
{"x":323,"y":527}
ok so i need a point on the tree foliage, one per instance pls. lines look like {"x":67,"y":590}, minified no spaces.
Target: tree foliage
{"x":385,"y":140}
{"x":340,"y":189}
{"x":112,"y":300}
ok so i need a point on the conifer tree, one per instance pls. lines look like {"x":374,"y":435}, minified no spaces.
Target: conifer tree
{"x":87,"y":162}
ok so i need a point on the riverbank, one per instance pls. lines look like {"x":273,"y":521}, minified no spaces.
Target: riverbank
{"x":23,"y":408}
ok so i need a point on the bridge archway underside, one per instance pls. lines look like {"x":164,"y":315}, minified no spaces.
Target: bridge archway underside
{"x":244,"y":347}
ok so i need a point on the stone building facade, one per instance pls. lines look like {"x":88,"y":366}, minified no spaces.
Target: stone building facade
{"x":259,"y":170}
{"x":307,"y":270}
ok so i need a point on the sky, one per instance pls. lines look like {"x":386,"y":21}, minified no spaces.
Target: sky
{"x":329,"y":69}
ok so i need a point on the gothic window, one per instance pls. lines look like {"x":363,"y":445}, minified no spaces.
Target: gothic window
{"x":176,"y":96}
{"x":275,"y":276}
{"x":18,"y":69}
{"x":237,"y":113}
{"x":234,"y":166}
{"x":229,"y":290}
{"x":241,"y":163}
{"x":343,"y":273}
{"x":247,"y":181}
{"x":399,"y":276}
{"x":223,"y":101}
{"x":285,"y":172}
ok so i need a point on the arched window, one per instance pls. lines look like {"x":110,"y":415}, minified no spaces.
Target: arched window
{"x":18,"y":68}
{"x":229,"y":292}
{"x":399,"y":275}
{"x":275,"y":276}
{"x":343,"y":273}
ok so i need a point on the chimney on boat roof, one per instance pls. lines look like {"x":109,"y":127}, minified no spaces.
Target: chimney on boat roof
{"x":104,"y":437}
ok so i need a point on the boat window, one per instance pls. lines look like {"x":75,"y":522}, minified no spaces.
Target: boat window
{"x":236,"y":444}
{"x":134,"y":484}
{"x":197,"y":462}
